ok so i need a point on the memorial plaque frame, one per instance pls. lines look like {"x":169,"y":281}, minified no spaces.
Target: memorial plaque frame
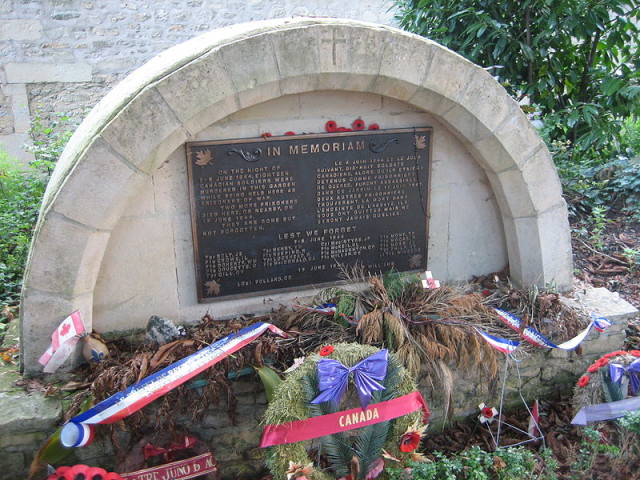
{"x":278,"y":214}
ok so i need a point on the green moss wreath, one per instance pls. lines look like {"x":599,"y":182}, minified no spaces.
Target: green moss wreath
{"x":292,"y":402}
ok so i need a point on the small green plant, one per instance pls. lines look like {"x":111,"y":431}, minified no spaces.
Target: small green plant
{"x":476,"y":464}
{"x":629,"y":434}
{"x":593,"y":442}
{"x":598,"y":222}
{"x":632,"y":256}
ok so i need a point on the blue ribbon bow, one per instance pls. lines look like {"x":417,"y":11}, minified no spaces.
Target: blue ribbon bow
{"x":333,"y":377}
{"x":617,"y":371}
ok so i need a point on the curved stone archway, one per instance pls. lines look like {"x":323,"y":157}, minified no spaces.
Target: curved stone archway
{"x":193,"y":85}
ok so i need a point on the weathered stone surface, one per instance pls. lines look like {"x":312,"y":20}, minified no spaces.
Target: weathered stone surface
{"x":27,"y":413}
{"x":47,"y":72}
{"x":20,"y":29}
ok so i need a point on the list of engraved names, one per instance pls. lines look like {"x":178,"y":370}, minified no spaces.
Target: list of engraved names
{"x":286,"y":212}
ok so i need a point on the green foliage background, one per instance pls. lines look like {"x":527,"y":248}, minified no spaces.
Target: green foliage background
{"x":573,"y":64}
{"x":21,"y":192}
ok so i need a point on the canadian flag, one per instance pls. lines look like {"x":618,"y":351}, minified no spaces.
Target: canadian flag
{"x":63,"y":341}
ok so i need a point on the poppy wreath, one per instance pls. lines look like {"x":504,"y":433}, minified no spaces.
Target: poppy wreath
{"x":590,"y":391}
{"x":364,"y":445}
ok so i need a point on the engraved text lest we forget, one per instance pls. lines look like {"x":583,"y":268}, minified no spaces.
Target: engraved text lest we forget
{"x":281,"y":213}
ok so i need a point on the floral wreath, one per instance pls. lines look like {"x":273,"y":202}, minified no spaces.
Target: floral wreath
{"x":387,"y":439}
{"x":589,"y":392}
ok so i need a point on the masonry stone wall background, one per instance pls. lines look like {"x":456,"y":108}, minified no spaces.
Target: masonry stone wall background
{"x":64,"y":55}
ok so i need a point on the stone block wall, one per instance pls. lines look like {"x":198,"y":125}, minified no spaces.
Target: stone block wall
{"x":65,"y":55}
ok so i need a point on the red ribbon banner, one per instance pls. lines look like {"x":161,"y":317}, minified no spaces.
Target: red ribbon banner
{"x":314,"y":427}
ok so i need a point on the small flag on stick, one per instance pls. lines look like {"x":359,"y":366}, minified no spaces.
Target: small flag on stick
{"x":63,"y":341}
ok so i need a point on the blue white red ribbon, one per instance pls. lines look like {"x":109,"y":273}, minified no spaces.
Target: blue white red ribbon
{"x":534,"y":337}
{"x":325,"y":308}
{"x":78,"y":432}
{"x":502,"y":344}
{"x":63,"y":341}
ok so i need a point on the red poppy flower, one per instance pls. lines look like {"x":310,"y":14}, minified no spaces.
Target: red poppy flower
{"x":62,"y":473}
{"x":96,"y":473}
{"x":289,"y":133}
{"x":487,"y":412}
{"x":341,"y":129}
{"x":635,"y":353}
{"x":409,"y":441}
{"x":358,"y":124}
{"x":331,"y":126}
{"x":602,"y":362}
{"x":593,"y":368}
{"x":486,"y":292}
{"x":266,"y":135}
{"x":327,"y":350}
{"x":583,"y":381}
{"x":113,"y":476}
{"x":374,"y":126}
{"x":80,"y":471}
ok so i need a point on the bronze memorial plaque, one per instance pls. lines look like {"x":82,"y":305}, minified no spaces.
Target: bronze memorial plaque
{"x":279,"y":213}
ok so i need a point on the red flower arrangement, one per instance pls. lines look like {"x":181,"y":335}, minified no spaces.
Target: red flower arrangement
{"x":593,"y":368}
{"x":358,"y":124}
{"x":83,"y":472}
{"x":331,"y":126}
{"x":266,"y":135}
{"x":410,"y":439}
{"x":409,"y":442}
{"x":326,"y":350}
{"x":289,"y":133}
{"x":374,"y":126}
{"x":602,"y":361}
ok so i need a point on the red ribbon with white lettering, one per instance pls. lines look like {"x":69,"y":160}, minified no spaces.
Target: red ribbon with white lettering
{"x":314,"y":427}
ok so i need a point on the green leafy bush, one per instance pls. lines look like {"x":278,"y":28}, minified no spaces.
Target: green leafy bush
{"x":575,"y":60}
{"x":21,"y":191}
{"x":20,"y":196}
{"x":476,"y":464}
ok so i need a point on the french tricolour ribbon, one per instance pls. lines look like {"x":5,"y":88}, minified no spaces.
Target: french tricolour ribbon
{"x":314,"y":427}
{"x":502,"y":344}
{"x":78,"y":431}
{"x":534,"y":337}
{"x":63,"y":341}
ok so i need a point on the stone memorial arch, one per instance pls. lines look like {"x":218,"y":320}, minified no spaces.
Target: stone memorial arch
{"x":114,"y":241}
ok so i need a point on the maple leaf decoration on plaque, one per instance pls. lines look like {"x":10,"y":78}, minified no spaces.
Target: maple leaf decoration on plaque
{"x":414,"y":261}
{"x":203,"y":158}
{"x":421,"y":141}
{"x":213,"y":287}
